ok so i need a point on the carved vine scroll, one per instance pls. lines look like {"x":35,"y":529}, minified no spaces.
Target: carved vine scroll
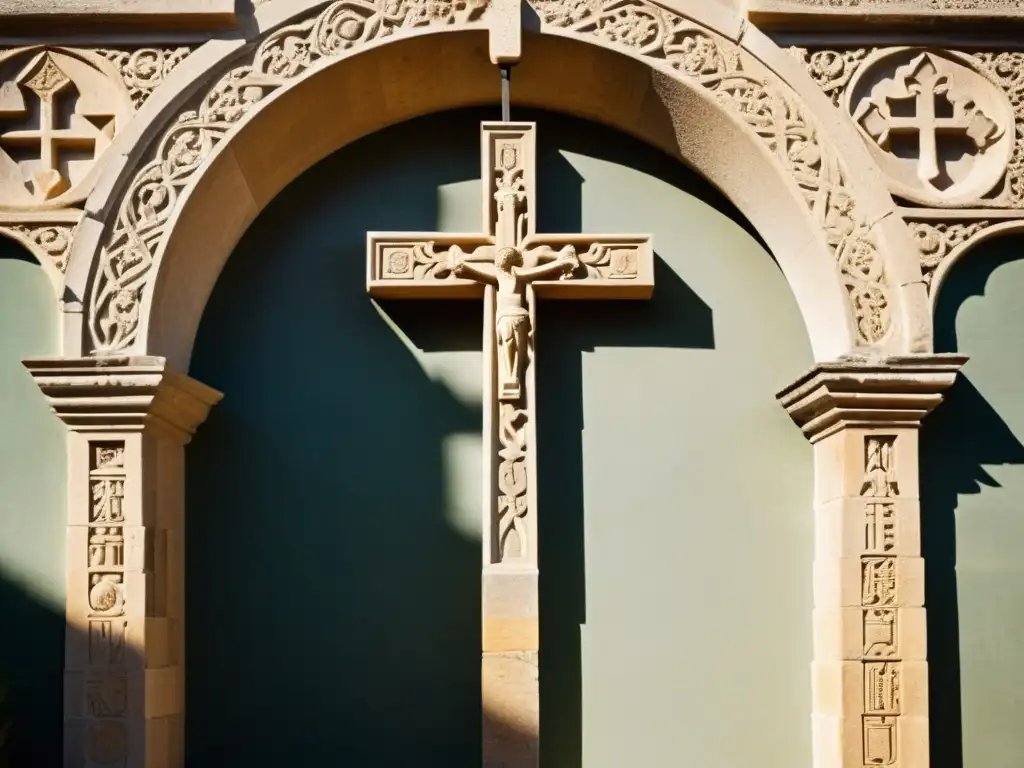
{"x":768,"y":107}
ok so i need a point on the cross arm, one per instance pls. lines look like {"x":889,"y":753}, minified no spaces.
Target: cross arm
{"x":419,"y":265}
{"x":611,"y":266}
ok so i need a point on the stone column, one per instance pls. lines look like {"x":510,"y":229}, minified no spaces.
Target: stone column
{"x":870,"y":669}
{"x":128,"y":420}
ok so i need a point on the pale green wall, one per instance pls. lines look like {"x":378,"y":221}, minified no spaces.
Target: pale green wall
{"x":973,"y":525}
{"x":333,"y":534}
{"x":31,"y":514}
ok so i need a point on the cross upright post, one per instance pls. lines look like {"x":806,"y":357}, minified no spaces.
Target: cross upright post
{"x":510,"y":266}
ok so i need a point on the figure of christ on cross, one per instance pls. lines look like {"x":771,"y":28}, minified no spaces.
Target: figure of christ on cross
{"x":510,"y":266}
{"x":512,"y":318}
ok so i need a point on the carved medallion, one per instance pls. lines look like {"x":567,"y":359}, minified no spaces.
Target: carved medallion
{"x":940,"y":130}
{"x":59,"y":110}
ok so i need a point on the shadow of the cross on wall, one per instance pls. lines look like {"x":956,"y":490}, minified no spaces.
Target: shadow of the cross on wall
{"x":676,"y":317}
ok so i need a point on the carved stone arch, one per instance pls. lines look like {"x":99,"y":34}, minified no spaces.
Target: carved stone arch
{"x":242,"y":119}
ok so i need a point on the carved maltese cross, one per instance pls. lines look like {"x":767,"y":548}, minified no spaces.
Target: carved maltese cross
{"x":90,"y":126}
{"x":923,"y":101}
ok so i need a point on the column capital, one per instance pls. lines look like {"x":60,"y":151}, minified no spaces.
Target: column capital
{"x":123,"y":394}
{"x":857,"y":392}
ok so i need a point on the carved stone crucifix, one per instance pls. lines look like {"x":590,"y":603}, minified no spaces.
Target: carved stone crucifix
{"x":510,"y":266}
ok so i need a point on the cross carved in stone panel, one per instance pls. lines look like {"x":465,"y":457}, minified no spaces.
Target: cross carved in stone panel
{"x":922,"y":101}
{"x":92,"y":131}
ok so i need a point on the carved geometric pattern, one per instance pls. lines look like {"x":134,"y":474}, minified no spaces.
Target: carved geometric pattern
{"x":833,"y":70}
{"x":766,"y":105}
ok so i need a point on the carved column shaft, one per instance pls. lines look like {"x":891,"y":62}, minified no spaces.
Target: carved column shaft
{"x":870,"y":669}
{"x":128,"y":420}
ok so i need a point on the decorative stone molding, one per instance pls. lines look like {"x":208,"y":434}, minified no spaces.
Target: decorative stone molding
{"x":60,"y":108}
{"x":128,"y":420}
{"x":43,"y":16}
{"x":870,"y":669}
{"x":128,"y":252}
{"x":804,"y":14}
{"x":968,"y":154}
{"x":895,"y":392}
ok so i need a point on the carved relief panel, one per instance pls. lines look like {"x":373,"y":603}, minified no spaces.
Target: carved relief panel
{"x":941,"y":131}
{"x":60,"y":108}
{"x":947,"y":127}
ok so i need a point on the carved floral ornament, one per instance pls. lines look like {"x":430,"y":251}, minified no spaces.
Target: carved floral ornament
{"x":769,"y":107}
{"x":946,"y":127}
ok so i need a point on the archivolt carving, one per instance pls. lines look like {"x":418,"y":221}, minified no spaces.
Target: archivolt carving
{"x":767,"y":106}
{"x":127,"y":255}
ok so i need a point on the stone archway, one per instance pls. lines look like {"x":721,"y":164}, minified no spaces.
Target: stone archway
{"x":241,"y":118}
{"x":688,"y":78}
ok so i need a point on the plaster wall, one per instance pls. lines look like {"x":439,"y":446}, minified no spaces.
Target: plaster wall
{"x":972,"y":483}
{"x":333,"y":496}
{"x":32,"y":519}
